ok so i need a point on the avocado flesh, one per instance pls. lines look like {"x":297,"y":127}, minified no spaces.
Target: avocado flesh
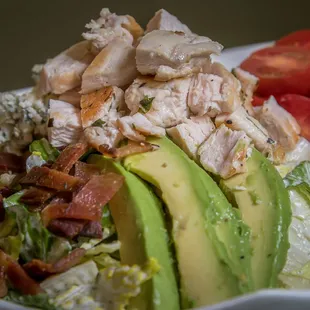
{"x":140,"y":226}
{"x":206,"y":231}
{"x":264,"y":205}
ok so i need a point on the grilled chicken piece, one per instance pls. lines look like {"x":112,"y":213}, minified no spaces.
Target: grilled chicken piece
{"x":110,"y":26}
{"x":136,"y":127}
{"x":72,"y":96}
{"x":280,"y":124}
{"x":191,"y":134}
{"x":115,"y":65}
{"x":64,"y":124}
{"x":163,"y":20}
{"x":107,"y":135}
{"x":64,"y":72}
{"x":249,"y":84}
{"x":241,"y":120}
{"x":169,"y":55}
{"x":102,"y":107}
{"x":225,"y":152}
{"x":163,"y":103}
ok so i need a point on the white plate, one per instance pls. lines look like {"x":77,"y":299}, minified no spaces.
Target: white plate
{"x":266,"y":299}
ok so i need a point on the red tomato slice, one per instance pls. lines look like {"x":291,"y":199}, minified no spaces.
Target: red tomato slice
{"x":299,"y":107}
{"x":298,"y":38}
{"x":257,"y":100}
{"x":281,"y":70}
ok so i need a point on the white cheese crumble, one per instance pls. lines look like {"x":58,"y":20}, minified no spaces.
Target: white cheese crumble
{"x":21,"y":118}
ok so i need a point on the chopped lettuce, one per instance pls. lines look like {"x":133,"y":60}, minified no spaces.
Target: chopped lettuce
{"x":41,"y":301}
{"x":104,"y":260}
{"x":301,"y":174}
{"x":117,"y":284}
{"x":37,"y":241}
{"x":104,"y":248}
{"x":73,"y":289}
{"x":44,"y":149}
{"x":11,"y":245}
{"x":106,"y":219}
{"x":7,"y":225}
{"x":296,"y":273}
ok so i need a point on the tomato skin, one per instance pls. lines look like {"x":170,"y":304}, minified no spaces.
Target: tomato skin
{"x":299,"y":38}
{"x":258,"y":101}
{"x":280,"y":69}
{"x":299,"y":107}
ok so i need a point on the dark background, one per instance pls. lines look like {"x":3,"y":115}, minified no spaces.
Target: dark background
{"x":33,"y":30}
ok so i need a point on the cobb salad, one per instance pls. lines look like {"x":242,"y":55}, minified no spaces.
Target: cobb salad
{"x":138,"y":174}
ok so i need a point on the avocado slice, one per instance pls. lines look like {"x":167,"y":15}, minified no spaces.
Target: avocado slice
{"x":264,"y":205}
{"x":212,"y":244}
{"x":139,"y":221}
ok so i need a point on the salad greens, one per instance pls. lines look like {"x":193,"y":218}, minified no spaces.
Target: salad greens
{"x":44,"y":148}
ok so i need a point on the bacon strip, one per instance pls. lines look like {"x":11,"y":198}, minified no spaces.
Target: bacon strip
{"x":92,"y":229}
{"x":37,"y":196}
{"x":88,"y":202}
{"x":40,"y":270}
{"x":3,"y":286}
{"x":11,"y":162}
{"x":17,"y":276}
{"x":69,"y":156}
{"x":85,"y":171}
{"x":51,"y":178}
{"x":66,"y":227}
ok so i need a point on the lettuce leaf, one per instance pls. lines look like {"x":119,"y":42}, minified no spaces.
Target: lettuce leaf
{"x":44,"y":148}
{"x":37,"y":241}
{"x":301,"y":174}
{"x":40,"y":301}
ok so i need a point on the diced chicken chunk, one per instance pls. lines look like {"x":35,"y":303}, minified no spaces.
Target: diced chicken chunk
{"x":71,"y":96}
{"x":115,"y":65}
{"x":102,"y":136}
{"x":136,"y":127}
{"x":225,"y":152}
{"x":280,"y":124}
{"x":241,"y":120}
{"x":249,"y":84}
{"x":103,"y":106}
{"x":163,"y":103}
{"x":64,"y":72}
{"x":163,"y":20}
{"x":110,"y":26}
{"x":191,"y":134}
{"x":169,"y":55}
{"x":64,"y":125}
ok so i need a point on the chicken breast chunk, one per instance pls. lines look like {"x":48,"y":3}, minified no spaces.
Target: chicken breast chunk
{"x":163,"y":20}
{"x":72,"y":96}
{"x":280,"y":124}
{"x":249,"y":84}
{"x":191,"y":134}
{"x":224,"y":152}
{"x":64,"y":124}
{"x":241,"y":120}
{"x":110,"y":26}
{"x":162,"y":103}
{"x":115,"y":65}
{"x":136,"y":127}
{"x":107,"y":136}
{"x":64,"y":72}
{"x":169,"y":55}
{"x":102,"y":107}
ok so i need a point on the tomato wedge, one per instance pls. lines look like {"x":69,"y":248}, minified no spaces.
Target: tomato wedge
{"x":299,"y":107}
{"x":257,"y":100}
{"x":298,"y":38}
{"x":281,"y":70}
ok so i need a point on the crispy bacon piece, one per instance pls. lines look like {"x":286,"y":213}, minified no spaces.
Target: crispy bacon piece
{"x":92,"y":229}
{"x":69,"y":228}
{"x":37,"y":196}
{"x":3,"y":286}
{"x":11,"y":162}
{"x":85,"y":171}
{"x":17,"y":276}
{"x":131,"y":148}
{"x":51,"y":178}
{"x":40,"y":270}
{"x":88,"y":202}
{"x":69,"y":156}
